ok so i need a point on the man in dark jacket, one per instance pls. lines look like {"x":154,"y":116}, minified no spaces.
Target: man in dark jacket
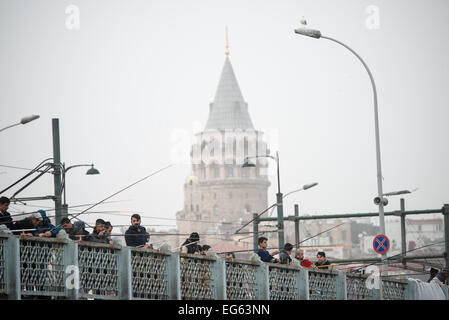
{"x":76,"y":230}
{"x":264,"y":255}
{"x":99,"y":234}
{"x":284,"y":256}
{"x":191,"y":245}
{"x":322,"y":263}
{"x":5,"y":217}
{"x":136,"y":235}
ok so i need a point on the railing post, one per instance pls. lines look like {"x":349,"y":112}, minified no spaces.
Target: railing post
{"x":446,"y":233}
{"x":262,"y":278}
{"x":410,"y":290}
{"x":219,"y":276}
{"x":174,"y":275}
{"x":377,"y":293}
{"x":341,"y":290}
{"x":445,"y":291}
{"x":403,"y":233}
{"x":12,"y":268}
{"x":125,"y":274}
{"x":71,"y":270}
{"x":303,"y":281}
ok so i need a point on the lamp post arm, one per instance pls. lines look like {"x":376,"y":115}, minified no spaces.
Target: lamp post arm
{"x":376,"y":120}
{"x":78,"y":165}
{"x":13,"y":125}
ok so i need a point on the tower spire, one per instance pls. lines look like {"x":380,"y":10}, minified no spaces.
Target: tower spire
{"x":227,"y":43}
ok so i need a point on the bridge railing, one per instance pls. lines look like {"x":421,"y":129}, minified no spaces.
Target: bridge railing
{"x":3,"y":264}
{"x":65,"y":269}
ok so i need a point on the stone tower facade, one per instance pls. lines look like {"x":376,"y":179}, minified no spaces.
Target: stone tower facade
{"x":220,"y":194}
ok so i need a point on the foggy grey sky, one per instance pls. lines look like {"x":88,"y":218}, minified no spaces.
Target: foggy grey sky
{"x":137,"y":71}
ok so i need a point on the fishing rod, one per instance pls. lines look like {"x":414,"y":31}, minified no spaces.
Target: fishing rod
{"x":159,"y":218}
{"x":295,"y":244}
{"x":258,"y":215}
{"x":71,"y":207}
{"x":401,"y":254}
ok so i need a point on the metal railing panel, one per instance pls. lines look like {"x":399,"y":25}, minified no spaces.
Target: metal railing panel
{"x":241,"y":283}
{"x":283,"y":282}
{"x":357,"y":289}
{"x":2,"y":264}
{"x":322,"y":285}
{"x":197,"y":281}
{"x":394,"y":289}
{"x":149,"y":274}
{"x":42,"y":266}
{"x":98,"y":267}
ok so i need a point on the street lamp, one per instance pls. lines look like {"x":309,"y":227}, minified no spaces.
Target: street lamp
{"x":317,"y":35}
{"x":278,"y":196}
{"x":91,"y":171}
{"x":24,"y":120}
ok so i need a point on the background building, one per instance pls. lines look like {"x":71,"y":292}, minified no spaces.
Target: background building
{"x":219,"y":194}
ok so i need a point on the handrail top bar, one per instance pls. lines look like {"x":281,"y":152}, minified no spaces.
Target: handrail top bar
{"x":148,"y":250}
{"x":242,"y":261}
{"x":196,"y":256}
{"x":353,"y":215}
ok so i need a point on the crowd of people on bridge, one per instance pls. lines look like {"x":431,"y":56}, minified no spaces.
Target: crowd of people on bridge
{"x":285,"y":256}
{"x":38,"y":224}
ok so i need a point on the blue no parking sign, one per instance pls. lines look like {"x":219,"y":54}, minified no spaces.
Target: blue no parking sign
{"x":381,"y":244}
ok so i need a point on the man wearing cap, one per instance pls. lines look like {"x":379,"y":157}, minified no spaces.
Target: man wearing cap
{"x":191,"y":244}
{"x":42,"y":225}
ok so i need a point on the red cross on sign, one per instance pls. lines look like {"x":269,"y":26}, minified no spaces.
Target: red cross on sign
{"x":381,"y":244}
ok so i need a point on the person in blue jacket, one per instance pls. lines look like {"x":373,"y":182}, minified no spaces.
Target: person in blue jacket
{"x":43,"y":226}
{"x":263,"y":253}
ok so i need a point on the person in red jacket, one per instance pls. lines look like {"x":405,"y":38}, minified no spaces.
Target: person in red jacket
{"x":306,"y":263}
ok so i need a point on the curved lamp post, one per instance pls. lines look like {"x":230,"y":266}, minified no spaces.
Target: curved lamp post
{"x":278,"y":196}
{"x":317,"y":35}
{"x":24,"y":120}
{"x":64,"y":170}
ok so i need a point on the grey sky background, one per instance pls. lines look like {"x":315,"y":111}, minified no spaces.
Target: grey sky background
{"x":137,"y":71}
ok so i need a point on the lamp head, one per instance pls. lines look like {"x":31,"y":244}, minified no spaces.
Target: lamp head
{"x":248,"y":164}
{"x":310,"y":185}
{"x":29,"y":119}
{"x":309,"y":32}
{"x":92,"y":170}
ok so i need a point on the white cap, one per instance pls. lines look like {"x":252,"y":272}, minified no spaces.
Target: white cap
{"x":37,"y":216}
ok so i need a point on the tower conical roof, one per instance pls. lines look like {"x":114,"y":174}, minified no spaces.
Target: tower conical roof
{"x":229,"y":110}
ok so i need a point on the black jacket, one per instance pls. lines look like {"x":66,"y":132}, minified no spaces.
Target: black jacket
{"x":191,"y":248}
{"x":284,"y":258}
{"x":134,"y":237}
{"x":95,"y":237}
{"x":78,"y":229}
{"x":5,"y":218}
{"x":22,"y":225}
